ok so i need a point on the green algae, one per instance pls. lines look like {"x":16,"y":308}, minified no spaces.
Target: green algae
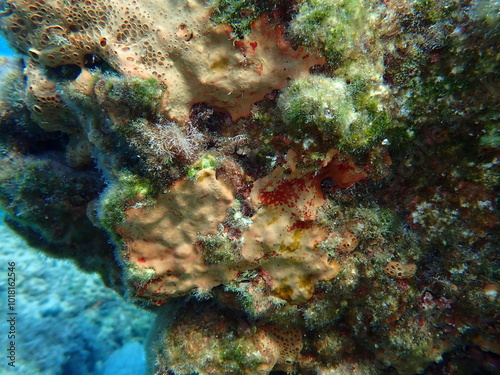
{"x":348,"y":114}
{"x":240,"y":14}
{"x":206,"y":161}
{"x":333,"y":26}
{"x":120,"y":195}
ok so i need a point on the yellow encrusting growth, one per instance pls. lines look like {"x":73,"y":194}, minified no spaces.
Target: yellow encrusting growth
{"x":163,"y":238}
{"x":176,"y":239}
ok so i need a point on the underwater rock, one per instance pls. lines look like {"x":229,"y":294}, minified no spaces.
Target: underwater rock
{"x":302,"y":186}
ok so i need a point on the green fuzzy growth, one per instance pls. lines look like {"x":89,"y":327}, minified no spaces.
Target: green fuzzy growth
{"x":45,"y":194}
{"x":71,"y":93}
{"x":349,"y":114}
{"x":240,"y":13}
{"x":217,"y":249}
{"x":491,"y":138}
{"x":141,"y":96}
{"x":437,"y":11}
{"x":117,"y":197}
{"x":204,"y":341}
{"x":367,"y":223}
{"x":334,"y":26}
{"x":413,"y":344}
{"x":254,"y":297}
{"x":487,"y":12}
{"x":12,"y":91}
{"x":139,"y":276}
{"x":206,"y":161}
{"x":452,"y":75}
{"x":45,"y":202}
{"x":239,"y":353}
{"x":133,"y":128}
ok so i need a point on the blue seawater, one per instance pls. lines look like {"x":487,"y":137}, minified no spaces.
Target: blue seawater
{"x":5,"y":49}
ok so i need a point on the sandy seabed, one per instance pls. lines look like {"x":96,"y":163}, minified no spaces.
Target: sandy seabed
{"x":67,"y":321}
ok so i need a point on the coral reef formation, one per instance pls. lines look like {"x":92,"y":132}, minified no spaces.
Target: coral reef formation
{"x":292,"y":186}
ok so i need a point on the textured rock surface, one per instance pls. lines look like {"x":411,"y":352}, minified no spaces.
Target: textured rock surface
{"x":305,"y":186}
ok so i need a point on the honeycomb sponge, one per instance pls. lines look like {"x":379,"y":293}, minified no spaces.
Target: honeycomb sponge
{"x":286,"y":343}
{"x":44,"y":102}
{"x":349,"y":242}
{"x":398,"y":270}
{"x":172,"y":40}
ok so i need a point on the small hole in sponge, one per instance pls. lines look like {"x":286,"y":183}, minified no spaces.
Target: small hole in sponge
{"x":93,"y":61}
{"x":64,"y":72}
{"x":34,"y":54}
